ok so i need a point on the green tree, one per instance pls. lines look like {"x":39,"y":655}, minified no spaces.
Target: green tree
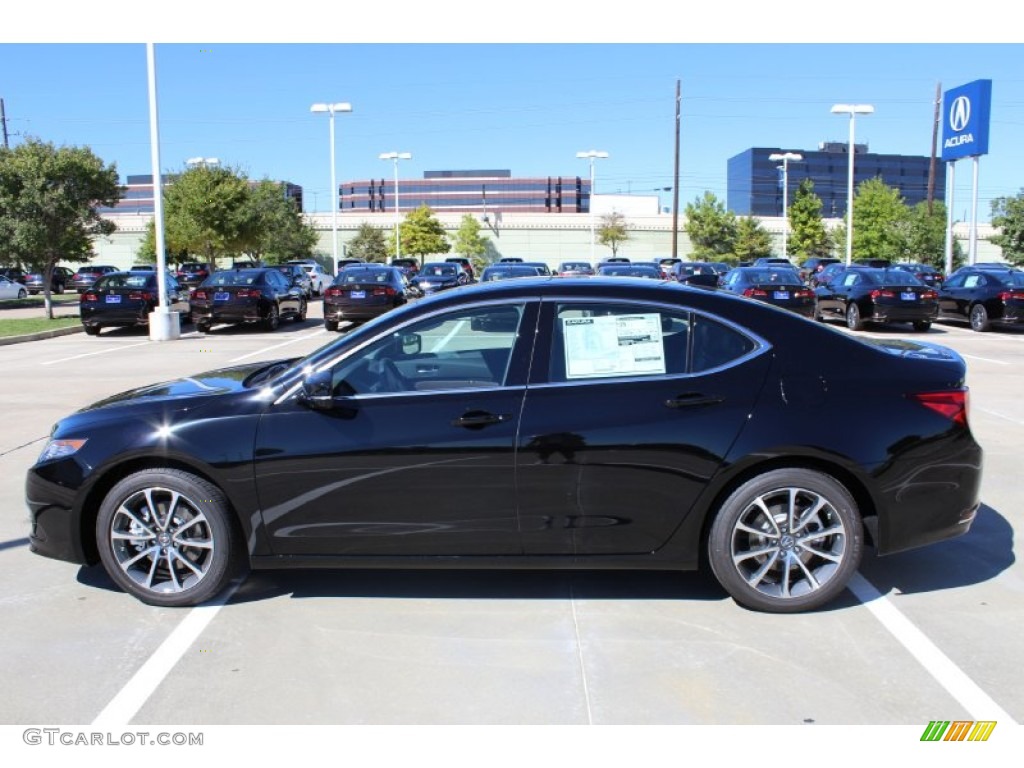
{"x":808,"y":235}
{"x":49,"y":206}
{"x":925,"y":236}
{"x":613,"y":231}
{"x":207,"y":213}
{"x":711,"y":228}
{"x":1008,"y":216}
{"x":470,"y":243}
{"x":277,"y":230}
{"x":752,"y":240}
{"x":369,"y":244}
{"x":880,"y":220}
{"x":421,"y":234}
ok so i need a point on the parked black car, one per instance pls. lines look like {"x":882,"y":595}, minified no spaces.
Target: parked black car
{"x":466,"y":264}
{"x":695,"y":273}
{"x":813,"y":266}
{"x":433,"y":278}
{"x":125,"y":299}
{"x":507,"y":271}
{"x":86,"y":276}
{"x":14,"y":274}
{"x":862,"y":295}
{"x":574,"y":268}
{"x":261,"y":295}
{"x":361,"y":292}
{"x":409,"y":266}
{"x":298,"y":277}
{"x":60,"y":281}
{"x":599,"y":423}
{"x":192,"y":273}
{"x":781,"y":287}
{"x":923,"y":272}
{"x":983,"y":297}
{"x":636,"y":269}
{"x":824,"y":277}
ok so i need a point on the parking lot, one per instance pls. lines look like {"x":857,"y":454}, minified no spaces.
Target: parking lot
{"x":925,"y":635}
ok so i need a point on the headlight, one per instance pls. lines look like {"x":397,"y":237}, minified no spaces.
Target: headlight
{"x":59,"y":449}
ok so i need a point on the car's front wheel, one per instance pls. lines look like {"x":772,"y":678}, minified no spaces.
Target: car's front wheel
{"x":787,"y":540}
{"x":165,"y":536}
{"x":853,"y":319}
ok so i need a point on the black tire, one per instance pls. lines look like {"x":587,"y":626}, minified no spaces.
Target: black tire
{"x":979,"y":318}
{"x":92,"y":330}
{"x":59,"y":288}
{"x":922,"y":325}
{"x":853,"y":319}
{"x":22,"y":293}
{"x":300,"y":316}
{"x":747,"y":546}
{"x":331,"y":325}
{"x":202,"y":326}
{"x":273,"y":318}
{"x":166,"y":537}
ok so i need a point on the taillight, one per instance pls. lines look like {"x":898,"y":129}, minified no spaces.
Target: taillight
{"x":249,"y":293}
{"x":200,"y":295}
{"x":954,"y":404}
{"x":804,"y":293}
{"x":883,"y":293}
{"x":389,"y":291}
{"x":1007,"y":295}
{"x":140,"y":296}
{"x":754,"y":292}
{"x":333,"y":291}
{"x":929,"y":295}
{"x":90,"y":297}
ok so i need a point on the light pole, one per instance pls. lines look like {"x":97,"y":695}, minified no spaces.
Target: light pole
{"x":396,"y":156}
{"x":851,"y":110}
{"x":592,"y":155}
{"x":331,"y":109}
{"x":786,"y":158}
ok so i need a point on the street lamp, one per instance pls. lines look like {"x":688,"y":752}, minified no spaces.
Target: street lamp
{"x":592,"y":155}
{"x":331,"y":109}
{"x":786,"y":158}
{"x":851,"y":110}
{"x":396,"y":156}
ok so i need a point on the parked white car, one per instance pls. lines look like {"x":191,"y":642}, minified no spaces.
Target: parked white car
{"x":12,"y":290}
{"x":319,"y":279}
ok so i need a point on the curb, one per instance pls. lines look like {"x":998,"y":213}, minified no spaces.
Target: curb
{"x":5,"y":340}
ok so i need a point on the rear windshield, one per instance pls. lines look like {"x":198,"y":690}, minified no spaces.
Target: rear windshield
{"x":439,"y":269}
{"x":241,"y":277}
{"x":137,"y":280}
{"x":351,"y":275}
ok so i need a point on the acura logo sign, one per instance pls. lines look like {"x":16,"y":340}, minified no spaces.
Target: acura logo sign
{"x":960,"y":113}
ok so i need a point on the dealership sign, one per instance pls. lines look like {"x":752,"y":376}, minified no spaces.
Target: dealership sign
{"x":965,"y":120}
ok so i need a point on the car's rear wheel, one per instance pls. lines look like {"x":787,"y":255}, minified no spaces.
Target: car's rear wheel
{"x":300,"y":316}
{"x":165,"y":536}
{"x":92,"y":330}
{"x":202,"y":326}
{"x":853,"y":319}
{"x":979,"y":318}
{"x":331,"y":325}
{"x":273,"y":318}
{"x":786,"y":541}
{"x":922,"y":325}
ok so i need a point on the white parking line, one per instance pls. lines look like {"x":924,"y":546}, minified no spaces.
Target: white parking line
{"x":130,"y":699}
{"x":997,"y":415}
{"x":276,"y":346}
{"x":985,"y":359}
{"x":939,"y":666}
{"x":90,"y":354}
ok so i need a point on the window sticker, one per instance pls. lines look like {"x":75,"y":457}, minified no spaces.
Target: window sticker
{"x":613,"y":345}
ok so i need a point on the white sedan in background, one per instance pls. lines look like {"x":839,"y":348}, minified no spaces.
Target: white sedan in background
{"x":12,"y":290}
{"x":317,"y":277}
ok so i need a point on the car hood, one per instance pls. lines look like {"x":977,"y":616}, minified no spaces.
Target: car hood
{"x":216,"y":382}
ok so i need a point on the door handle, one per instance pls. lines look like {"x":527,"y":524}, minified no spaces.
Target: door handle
{"x":693,"y":400}
{"x":477,"y":419}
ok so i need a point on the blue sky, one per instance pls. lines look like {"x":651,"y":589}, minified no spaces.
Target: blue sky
{"x":501,"y":104}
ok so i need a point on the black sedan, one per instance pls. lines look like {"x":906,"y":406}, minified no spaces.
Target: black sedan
{"x":126,"y":299}
{"x":781,"y":287}
{"x":598,"y":423}
{"x":826,"y":274}
{"x":261,"y":295}
{"x":636,"y":269}
{"x":861,"y":295}
{"x":192,"y":273}
{"x":507,"y":271}
{"x":438,"y":277}
{"x":363,"y":291}
{"x":983,"y":297}
{"x":298,"y":278}
{"x":60,"y":281}
{"x":925,"y":273}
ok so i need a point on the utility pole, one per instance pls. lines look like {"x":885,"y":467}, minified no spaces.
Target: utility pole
{"x":3,"y":122}
{"x":675,"y":184}
{"x":935,"y":140}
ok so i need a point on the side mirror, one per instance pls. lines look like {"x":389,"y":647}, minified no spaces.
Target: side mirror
{"x":317,"y":392}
